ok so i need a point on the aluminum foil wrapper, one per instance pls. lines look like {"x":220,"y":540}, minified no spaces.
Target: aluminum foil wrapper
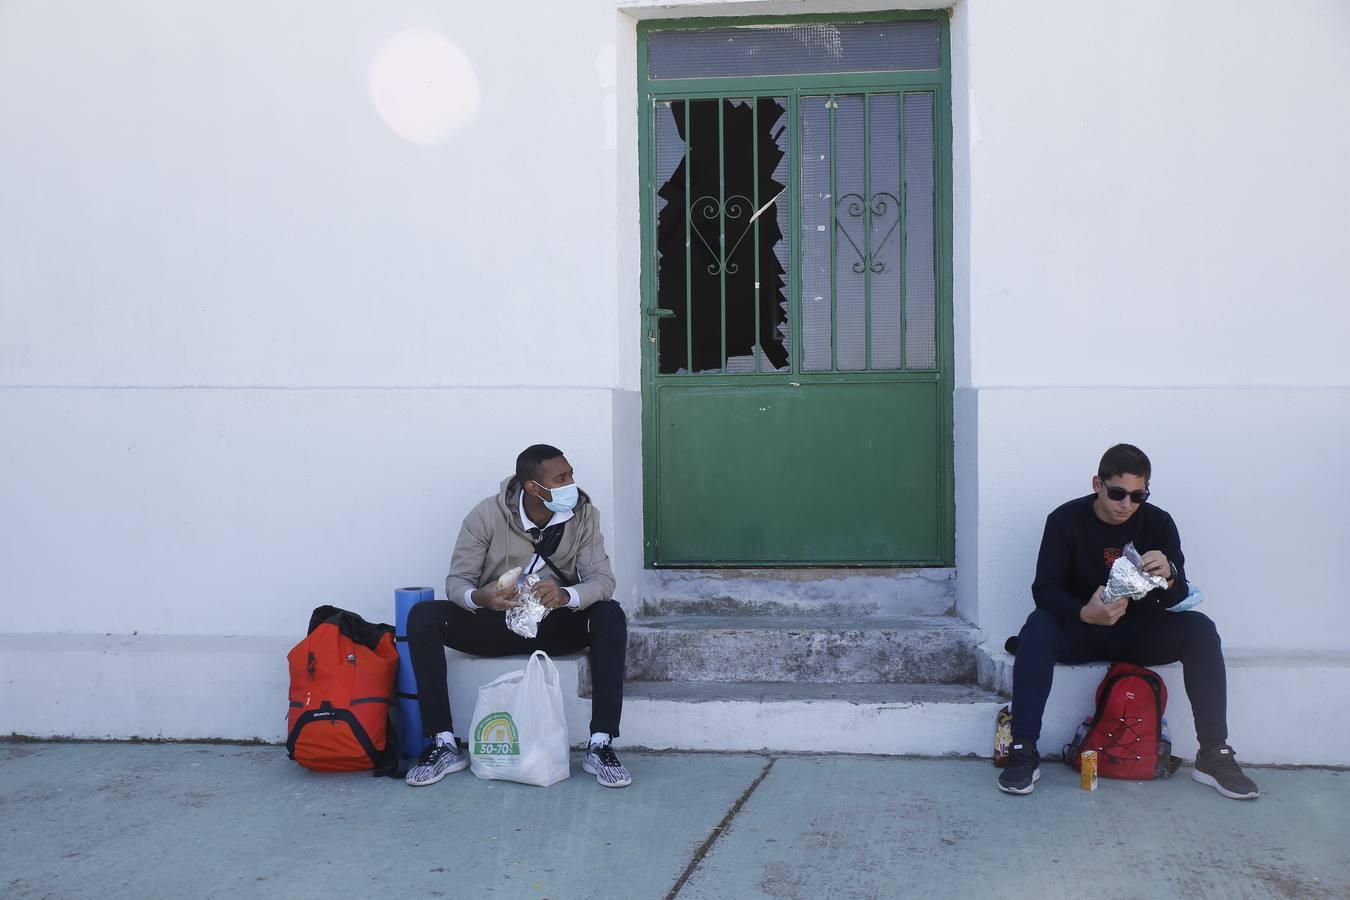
{"x":524,"y":619}
{"x":1127,"y":580}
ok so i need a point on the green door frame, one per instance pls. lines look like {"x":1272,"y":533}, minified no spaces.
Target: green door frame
{"x":652,"y":91}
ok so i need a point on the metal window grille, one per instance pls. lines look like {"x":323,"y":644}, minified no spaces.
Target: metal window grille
{"x":863,"y":243}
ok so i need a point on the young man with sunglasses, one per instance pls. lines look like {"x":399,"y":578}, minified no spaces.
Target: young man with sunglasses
{"x":1072,"y":624}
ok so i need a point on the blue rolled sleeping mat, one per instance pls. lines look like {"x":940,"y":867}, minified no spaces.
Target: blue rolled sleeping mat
{"x":411,"y":741}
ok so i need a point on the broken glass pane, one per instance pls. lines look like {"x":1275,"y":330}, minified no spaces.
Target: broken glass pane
{"x":729,"y":302}
{"x":779,"y":332}
{"x":672,"y":354}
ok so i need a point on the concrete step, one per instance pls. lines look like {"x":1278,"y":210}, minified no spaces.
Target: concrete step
{"x":174,"y":687}
{"x":797,"y":592}
{"x":905,"y":718}
{"x":857,"y":649}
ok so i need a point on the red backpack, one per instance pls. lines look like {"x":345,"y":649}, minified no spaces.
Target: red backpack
{"x":1126,"y":729}
{"x":342,"y":693}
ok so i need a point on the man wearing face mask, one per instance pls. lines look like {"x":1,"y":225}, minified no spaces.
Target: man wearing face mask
{"x":1072,"y":624}
{"x":540,"y":521}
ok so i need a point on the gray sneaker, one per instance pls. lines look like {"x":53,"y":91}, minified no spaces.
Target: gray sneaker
{"x":605,"y":766}
{"x":437,"y":761}
{"x":1218,"y":768}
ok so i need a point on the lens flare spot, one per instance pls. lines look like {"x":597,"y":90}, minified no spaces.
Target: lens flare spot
{"x":423,"y":86}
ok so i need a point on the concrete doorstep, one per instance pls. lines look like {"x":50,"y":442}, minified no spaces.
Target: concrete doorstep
{"x":189,"y":820}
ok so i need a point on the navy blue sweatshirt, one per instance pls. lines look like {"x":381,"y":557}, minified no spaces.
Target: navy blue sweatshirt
{"x":1078,"y":548}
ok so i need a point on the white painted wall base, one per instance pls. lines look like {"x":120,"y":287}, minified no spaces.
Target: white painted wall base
{"x":116,"y":687}
{"x":119,"y":687}
{"x":1281,"y":709}
{"x":144,"y":686}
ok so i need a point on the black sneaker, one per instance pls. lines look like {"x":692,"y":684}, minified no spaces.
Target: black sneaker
{"x":437,"y":761}
{"x":1218,"y":768}
{"x":1022,"y":772}
{"x":602,"y":762}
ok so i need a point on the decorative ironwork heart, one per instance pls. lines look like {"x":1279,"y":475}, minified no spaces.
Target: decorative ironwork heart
{"x":855,"y":206}
{"x":735,"y":208}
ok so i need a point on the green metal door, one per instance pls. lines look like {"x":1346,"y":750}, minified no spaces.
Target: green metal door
{"x":796,"y":279}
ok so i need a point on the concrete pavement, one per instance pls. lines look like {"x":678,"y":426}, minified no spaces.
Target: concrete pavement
{"x":213,"y":820}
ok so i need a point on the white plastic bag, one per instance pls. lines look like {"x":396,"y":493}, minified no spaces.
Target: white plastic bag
{"x":519,"y":733}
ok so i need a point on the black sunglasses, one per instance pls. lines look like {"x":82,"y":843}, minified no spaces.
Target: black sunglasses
{"x":1119,"y":493}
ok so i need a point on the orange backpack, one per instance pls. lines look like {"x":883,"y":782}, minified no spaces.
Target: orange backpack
{"x":342,"y":694}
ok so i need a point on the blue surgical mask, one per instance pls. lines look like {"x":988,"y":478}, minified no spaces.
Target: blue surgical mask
{"x":564,"y":498}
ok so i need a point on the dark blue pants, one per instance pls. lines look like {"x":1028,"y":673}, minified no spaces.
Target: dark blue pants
{"x":434,"y":625}
{"x":1146,"y":636}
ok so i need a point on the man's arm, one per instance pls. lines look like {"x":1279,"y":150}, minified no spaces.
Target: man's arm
{"x":1053,"y":564}
{"x":594,"y":576}
{"x":1169,"y":544}
{"x":466,"y":562}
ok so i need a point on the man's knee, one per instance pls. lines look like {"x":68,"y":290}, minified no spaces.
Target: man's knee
{"x":1042,"y":627}
{"x":424,"y":617}
{"x":608,"y":620}
{"x":1198,"y":627}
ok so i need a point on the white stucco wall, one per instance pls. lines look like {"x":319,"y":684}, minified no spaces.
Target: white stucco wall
{"x":258,"y":351}
{"x":212,"y":198}
{"x":1131,"y":174}
{"x":1150,"y":247}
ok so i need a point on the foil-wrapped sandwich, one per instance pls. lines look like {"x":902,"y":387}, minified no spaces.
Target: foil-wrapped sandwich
{"x":524,"y":619}
{"x":1128,"y":578}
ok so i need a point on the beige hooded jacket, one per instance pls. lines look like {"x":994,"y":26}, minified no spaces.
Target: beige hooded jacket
{"x":491,"y":541}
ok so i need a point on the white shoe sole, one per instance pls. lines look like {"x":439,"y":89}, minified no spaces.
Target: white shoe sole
{"x":1035,"y":777}
{"x":458,"y":767}
{"x":618,"y":784}
{"x":1210,"y":780}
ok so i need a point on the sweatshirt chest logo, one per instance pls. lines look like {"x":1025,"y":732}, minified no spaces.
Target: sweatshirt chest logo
{"x":1110,"y":555}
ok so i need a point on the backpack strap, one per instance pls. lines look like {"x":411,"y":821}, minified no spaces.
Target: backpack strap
{"x":562,"y":579}
{"x":546,"y":545}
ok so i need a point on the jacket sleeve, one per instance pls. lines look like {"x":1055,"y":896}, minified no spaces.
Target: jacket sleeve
{"x":1053,"y":565}
{"x":1169,"y":542}
{"x":595,"y":579}
{"x":466,"y":562}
